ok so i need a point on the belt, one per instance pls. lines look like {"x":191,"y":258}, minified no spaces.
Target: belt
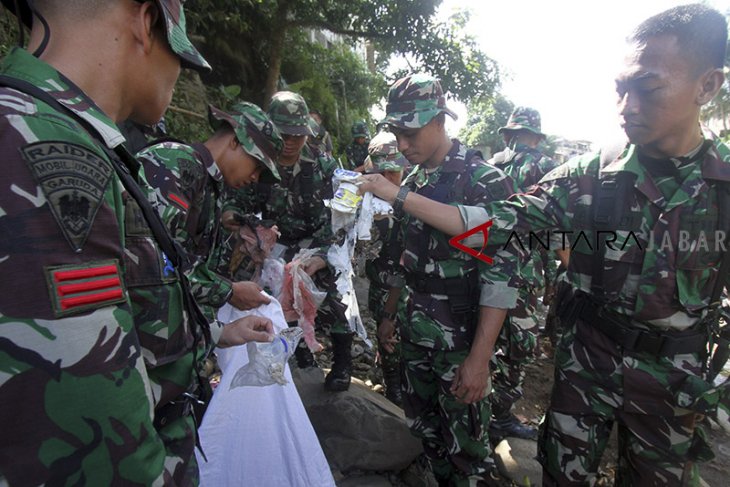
{"x":451,"y":286}
{"x":181,"y":407}
{"x":659,"y":343}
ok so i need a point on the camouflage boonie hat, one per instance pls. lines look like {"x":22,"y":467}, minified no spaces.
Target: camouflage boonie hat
{"x":360,"y":129}
{"x":414,"y":101}
{"x":258,"y":136}
{"x":289,"y":112}
{"x":383,"y":154}
{"x":523,"y":118}
{"x":172,"y":11}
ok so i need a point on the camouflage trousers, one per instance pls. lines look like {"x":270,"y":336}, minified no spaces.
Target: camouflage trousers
{"x":453,"y":434}
{"x":181,"y":466}
{"x":599,"y":384}
{"x":516,"y":346}
{"x":376,"y":301}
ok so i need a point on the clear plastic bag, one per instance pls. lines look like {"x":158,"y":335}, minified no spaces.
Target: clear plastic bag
{"x":272,"y":275}
{"x":267,"y":361}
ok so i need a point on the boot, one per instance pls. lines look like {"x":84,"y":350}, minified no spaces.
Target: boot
{"x":508,"y":425}
{"x":391,"y":377}
{"x":304,"y":356}
{"x":338,"y":379}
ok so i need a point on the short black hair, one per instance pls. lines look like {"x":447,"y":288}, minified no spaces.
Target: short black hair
{"x":700,"y":30}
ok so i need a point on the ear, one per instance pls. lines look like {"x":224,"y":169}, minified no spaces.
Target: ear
{"x":145,"y":18}
{"x":711,"y":82}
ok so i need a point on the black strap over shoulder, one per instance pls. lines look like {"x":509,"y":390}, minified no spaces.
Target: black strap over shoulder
{"x":127,"y":167}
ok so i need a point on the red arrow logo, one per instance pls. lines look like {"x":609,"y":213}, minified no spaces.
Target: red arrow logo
{"x":484,"y":228}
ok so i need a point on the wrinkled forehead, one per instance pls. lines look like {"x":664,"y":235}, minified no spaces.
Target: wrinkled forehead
{"x":659,"y":56}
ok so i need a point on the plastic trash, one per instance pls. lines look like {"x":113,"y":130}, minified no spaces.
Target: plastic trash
{"x":267,"y":361}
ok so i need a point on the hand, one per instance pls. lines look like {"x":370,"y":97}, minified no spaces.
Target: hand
{"x":247,"y":295}
{"x":386,"y":335}
{"x":471,"y":380}
{"x":246,"y":329}
{"x":313,"y":265}
{"x":228,"y":220}
{"x":379,"y":186}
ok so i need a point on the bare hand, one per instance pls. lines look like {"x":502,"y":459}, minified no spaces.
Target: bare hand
{"x":471,"y":380}
{"x":379,"y":186}
{"x":246,"y":329}
{"x":313,"y":265}
{"x":228,"y":221}
{"x":247,"y":295}
{"x":386,"y":335}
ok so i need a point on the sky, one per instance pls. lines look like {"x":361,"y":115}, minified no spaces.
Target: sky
{"x":559,"y":56}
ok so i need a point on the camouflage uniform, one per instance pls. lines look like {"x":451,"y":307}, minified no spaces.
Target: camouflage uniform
{"x":518,"y":340}
{"x":384,"y":272}
{"x":296,"y":205}
{"x":356,"y":153}
{"x":322,"y":141}
{"x":654,"y":287}
{"x":445,"y":288}
{"x":81,"y":411}
{"x":188,"y":193}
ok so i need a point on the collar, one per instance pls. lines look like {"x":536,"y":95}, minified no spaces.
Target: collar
{"x":22,"y":65}
{"x":455,"y":160}
{"x":208,"y":162}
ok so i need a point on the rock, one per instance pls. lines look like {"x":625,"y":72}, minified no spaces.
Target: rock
{"x":357,"y":350}
{"x":366,"y":481}
{"x":515,"y":459}
{"x":358,"y":429}
{"x":418,"y":475}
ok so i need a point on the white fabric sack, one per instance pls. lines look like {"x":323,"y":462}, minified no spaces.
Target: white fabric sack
{"x":258,"y":436}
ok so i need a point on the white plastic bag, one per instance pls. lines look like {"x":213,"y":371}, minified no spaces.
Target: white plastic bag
{"x":267,"y":361}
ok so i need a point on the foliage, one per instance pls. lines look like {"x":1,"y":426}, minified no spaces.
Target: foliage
{"x":719,"y":107}
{"x":484,"y":117}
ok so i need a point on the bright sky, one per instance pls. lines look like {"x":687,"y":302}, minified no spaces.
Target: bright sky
{"x":560,"y":56}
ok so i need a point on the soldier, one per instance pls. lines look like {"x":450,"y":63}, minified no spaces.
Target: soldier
{"x":635,"y":348}
{"x":518,"y":341}
{"x":76,"y":402}
{"x":296,"y":205}
{"x":384,"y":272}
{"x":357,"y":151}
{"x":456,"y":305}
{"x":189,"y":179}
{"x":322,"y":139}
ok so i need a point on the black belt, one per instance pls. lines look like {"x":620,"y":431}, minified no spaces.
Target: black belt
{"x":659,"y":343}
{"x":181,"y":407}
{"x":451,"y":286}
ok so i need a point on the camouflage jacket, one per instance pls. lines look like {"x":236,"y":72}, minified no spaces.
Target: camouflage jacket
{"x":298,"y":212}
{"x":427,"y":252}
{"x":527,"y":166}
{"x":188,"y":187}
{"x":356,"y":154}
{"x":75,"y":407}
{"x":664,"y":261}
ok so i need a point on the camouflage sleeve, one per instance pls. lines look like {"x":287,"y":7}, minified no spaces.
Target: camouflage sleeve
{"x":178,"y":180}
{"x":244,"y":201}
{"x":499,"y":281}
{"x":324,"y":235}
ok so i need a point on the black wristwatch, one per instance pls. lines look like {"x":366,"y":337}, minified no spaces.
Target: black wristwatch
{"x":400,"y":199}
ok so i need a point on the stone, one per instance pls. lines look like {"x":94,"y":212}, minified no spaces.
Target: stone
{"x":366,"y":481}
{"x":358,"y":429}
{"x":515,"y":459}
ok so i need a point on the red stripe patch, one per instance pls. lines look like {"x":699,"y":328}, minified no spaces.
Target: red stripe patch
{"x":175,"y":198}
{"x":87,"y":288}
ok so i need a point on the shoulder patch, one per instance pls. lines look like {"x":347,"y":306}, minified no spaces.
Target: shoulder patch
{"x":73,"y":180}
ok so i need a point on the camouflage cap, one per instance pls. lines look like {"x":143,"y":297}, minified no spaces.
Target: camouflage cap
{"x":258,"y":136}
{"x":360,"y":129}
{"x":289,"y":112}
{"x":523,"y":118}
{"x":414,"y":101}
{"x":172,"y":11}
{"x":383,"y":154}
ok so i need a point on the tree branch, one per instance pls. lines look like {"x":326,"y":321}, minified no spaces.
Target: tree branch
{"x":321,"y":24}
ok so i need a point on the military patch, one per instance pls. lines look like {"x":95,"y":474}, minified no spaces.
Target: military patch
{"x":73,"y":180}
{"x":77,"y":288}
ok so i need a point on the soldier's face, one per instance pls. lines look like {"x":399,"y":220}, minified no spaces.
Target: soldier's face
{"x":419,"y":145}
{"x":293,"y":145}
{"x":657,"y":96}
{"x":240,"y":169}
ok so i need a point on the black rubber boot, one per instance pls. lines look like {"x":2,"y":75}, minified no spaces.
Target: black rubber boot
{"x":338,"y":379}
{"x":304,"y":357}
{"x":509,"y":426}
{"x":391,"y":377}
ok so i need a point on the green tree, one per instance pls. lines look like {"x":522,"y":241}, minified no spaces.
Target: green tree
{"x":484,"y":117}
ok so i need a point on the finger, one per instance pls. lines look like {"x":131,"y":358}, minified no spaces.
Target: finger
{"x":259,"y":336}
{"x":263,"y":299}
